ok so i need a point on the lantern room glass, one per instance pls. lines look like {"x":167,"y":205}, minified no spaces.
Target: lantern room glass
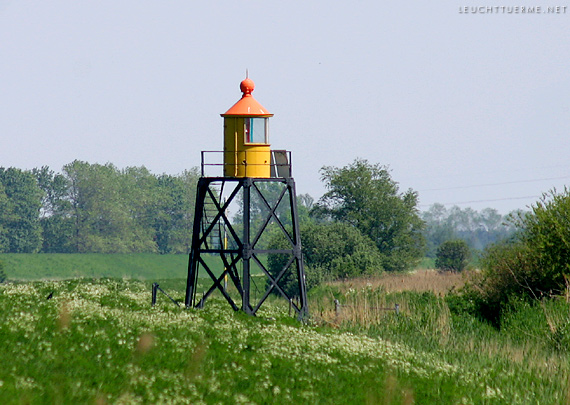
{"x":256,"y":130}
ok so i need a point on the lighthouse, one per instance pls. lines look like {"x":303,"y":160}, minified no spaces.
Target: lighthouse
{"x":256,"y":181}
{"x":246,"y":136}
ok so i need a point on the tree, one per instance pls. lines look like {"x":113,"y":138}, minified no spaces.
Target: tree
{"x":331,"y":251}
{"x":438,"y":228}
{"x":96,"y":208}
{"x":5,"y":216}
{"x":172,"y":220}
{"x":56,"y":213}
{"x":453,"y":255}
{"x":182,"y":231}
{"x":478,"y":229}
{"x":104,"y":219}
{"x":546,"y":232}
{"x":365,"y":196}
{"x":304,"y":205}
{"x":21,"y":199}
{"x":2,"y":273}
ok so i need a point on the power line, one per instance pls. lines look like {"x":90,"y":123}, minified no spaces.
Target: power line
{"x":494,"y":171}
{"x":483,"y":201}
{"x":495,"y":184}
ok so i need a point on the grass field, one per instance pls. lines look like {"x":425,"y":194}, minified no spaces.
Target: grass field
{"x":97,"y":340}
{"x":144,"y":266}
{"x":100,"y":341}
{"x":54,"y":266}
{"x":22,"y":266}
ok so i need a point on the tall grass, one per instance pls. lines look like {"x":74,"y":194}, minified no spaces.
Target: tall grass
{"x":533,"y":340}
{"x":101,"y":342}
{"x":420,"y":280}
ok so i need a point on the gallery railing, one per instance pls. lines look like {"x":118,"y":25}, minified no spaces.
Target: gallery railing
{"x":217,"y":163}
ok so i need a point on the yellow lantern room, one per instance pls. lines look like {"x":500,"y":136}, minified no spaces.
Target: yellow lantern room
{"x":247,"y":150}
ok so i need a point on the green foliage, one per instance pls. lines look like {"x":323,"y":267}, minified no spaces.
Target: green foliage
{"x":20,"y":203}
{"x":365,"y":196}
{"x":508,"y":272}
{"x":2,"y":273}
{"x":438,"y":228}
{"x":340,"y":251}
{"x":534,"y":265}
{"x":453,"y":255}
{"x":104,"y":220}
{"x":331,"y":251}
{"x":544,"y":323}
{"x":426,"y":263}
{"x":173,"y":212}
{"x":547,"y":233}
{"x":93,"y":208}
{"x":55,"y":216}
{"x":4,"y":219}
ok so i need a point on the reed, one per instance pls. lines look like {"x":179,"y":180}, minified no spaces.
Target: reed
{"x":440,"y":283}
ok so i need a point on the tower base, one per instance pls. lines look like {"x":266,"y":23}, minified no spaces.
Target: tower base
{"x":269,"y":211}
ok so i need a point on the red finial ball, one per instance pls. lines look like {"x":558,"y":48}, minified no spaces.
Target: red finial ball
{"x":246,"y":86}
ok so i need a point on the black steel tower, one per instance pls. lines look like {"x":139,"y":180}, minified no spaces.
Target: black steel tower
{"x":257,"y":186}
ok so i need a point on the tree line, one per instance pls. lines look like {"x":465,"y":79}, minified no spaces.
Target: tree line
{"x":477,"y":228}
{"x":95,"y":208}
{"x":99,"y":208}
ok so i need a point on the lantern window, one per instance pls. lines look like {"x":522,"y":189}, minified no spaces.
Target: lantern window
{"x":256,"y":130}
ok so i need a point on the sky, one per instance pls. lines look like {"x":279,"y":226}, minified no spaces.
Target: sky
{"x":467,"y":105}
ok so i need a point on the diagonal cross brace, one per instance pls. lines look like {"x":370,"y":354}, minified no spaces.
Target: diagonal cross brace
{"x":274,"y":282}
{"x":271,"y":214}
{"x":217,"y":284}
{"x":221,"y":214}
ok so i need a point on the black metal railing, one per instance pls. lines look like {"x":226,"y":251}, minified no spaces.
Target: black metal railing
{"x":214,"y":161}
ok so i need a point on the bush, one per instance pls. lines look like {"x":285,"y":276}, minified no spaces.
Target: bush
{"x":534,"y":266}
{"x":547,"y":233}
{"x":453,"y":255}
{"x":331,"y":251}
{"x":507,"y":271}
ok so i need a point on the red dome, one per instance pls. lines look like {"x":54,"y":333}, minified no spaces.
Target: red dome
{"x":247,"y":106}
{"x":246,"y":86}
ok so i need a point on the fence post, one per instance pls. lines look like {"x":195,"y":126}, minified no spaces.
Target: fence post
{"x":154,"y":288}
{"x":336,"y":309}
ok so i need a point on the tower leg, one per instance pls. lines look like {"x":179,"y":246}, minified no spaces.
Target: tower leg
{"x":192,"y":279}
{"x":246,"y":247}
{"x":297,"y":250}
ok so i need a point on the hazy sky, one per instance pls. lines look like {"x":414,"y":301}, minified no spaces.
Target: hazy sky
{"x":466,"y":108}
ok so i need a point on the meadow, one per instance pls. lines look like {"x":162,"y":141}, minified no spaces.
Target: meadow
{"x":100,"y":341}
{"x":29,"y":266}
